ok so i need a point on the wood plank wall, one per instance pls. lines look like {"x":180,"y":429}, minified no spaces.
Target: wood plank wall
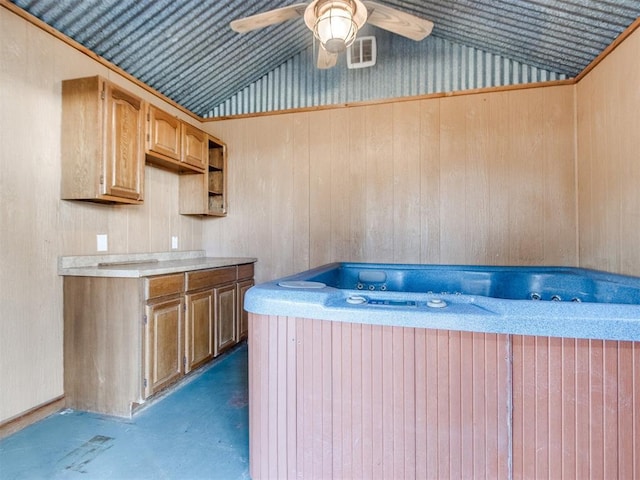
{"x":478,"y":179}
{"x":37,"y":226}
{"x":608,"y":127}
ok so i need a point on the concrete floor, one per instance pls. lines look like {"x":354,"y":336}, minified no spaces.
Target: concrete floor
{"x":199,"y":430}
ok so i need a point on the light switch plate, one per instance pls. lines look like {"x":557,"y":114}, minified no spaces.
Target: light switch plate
{"x":101,"y":242}
{"x":174,"y":243}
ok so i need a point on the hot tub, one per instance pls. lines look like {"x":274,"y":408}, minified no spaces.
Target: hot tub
{"x":423,"y":371}
{"x":550,"y":301}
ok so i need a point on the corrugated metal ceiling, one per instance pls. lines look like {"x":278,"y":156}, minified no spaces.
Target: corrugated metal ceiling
{"x":186,"y":50}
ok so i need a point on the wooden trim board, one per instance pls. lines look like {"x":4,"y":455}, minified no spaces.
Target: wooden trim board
{"x":619,"y":39}
{"x":14,"y":424}
{"x":457,"y":93}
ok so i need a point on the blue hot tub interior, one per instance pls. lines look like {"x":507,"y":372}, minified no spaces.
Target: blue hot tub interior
{"x":513,"y":283}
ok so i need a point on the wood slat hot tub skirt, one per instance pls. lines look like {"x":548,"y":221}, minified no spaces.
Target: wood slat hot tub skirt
{"x":342,"y":400}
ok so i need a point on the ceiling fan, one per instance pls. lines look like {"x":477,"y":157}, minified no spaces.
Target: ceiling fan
{"x":335,"y":23}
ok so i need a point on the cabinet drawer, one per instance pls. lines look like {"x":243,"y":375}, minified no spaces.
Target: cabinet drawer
{"x":163,"y":285}
{"x":245,"y":271}
{"x":207,"y":278}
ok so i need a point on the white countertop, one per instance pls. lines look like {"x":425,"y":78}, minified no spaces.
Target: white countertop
{"x":138,"y":265}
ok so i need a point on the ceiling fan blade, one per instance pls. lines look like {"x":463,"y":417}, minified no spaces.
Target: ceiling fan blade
{"x":265,"y":19}
{"x":326,"y":59}
{"x":398,"y":22}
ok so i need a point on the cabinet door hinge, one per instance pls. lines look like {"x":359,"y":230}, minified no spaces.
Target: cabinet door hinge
{"x":148,"y":117}
{"x":145,"y":383}
{"x":144,"y":319}
{"x":101,"y":179}
{"x":184,"y":361}
{"x":102,"y":95}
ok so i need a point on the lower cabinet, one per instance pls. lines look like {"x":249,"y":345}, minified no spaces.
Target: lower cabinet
{"x":117,"y":354}
{"x":199,"y":331}
{"x":225,"y":317}
{"x":163,"y":344}
{"x":242,"y":323}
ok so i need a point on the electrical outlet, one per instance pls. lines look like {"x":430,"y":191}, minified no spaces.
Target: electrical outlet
{"x":101,"y":242}
{"x":174,"y":243}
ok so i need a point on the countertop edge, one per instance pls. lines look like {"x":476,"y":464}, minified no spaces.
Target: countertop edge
{"x":147,"y":265}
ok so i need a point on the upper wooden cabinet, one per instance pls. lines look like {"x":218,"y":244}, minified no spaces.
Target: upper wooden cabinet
{"x":206,"y":194}
{"x":102,"y":142}
{"x":194,"y":147}
{"x":174,"y":144}
{"x":163,"y":134}
{"x":108,"y":133}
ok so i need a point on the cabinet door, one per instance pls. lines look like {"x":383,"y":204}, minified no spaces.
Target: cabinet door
{"x":164,"y":134}
{"x":225,"y":317}
{"x":123,"y":174}
{"x":199,"y":329}
{"x":242,"y":327}
{"x":194,"y":146}
{"x":163,"y":344}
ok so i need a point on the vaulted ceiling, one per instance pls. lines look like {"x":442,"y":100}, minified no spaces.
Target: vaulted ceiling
{"x":185,"y":49}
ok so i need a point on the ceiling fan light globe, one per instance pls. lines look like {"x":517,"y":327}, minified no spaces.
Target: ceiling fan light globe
{"x":335,"y":27}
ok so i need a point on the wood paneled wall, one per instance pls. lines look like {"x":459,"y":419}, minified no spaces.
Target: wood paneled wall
{"x":476,"y":179}
{"x":608,"y":129}
{"x":37,"y":227}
